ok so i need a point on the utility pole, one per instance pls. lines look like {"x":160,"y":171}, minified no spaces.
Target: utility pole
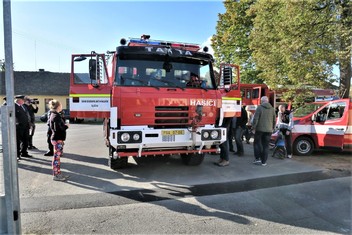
{"x":10,"y":220}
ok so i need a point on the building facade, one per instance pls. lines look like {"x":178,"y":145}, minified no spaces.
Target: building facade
{"x":41,"y":85}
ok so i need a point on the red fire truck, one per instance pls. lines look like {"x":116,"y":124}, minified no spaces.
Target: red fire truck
{"x":251,"y":94}
{"x":156,"y":98}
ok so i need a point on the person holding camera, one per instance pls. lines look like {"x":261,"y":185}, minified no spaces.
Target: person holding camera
{"x":31,"y":105}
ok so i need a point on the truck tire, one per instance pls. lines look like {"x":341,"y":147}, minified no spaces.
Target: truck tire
{"x":118,"y":163}
{"x":193,"y":159}
{"x":303,"y":146}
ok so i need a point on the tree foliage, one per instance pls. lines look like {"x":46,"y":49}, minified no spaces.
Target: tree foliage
{"x":231,"y":41}
{"x":291,"y":44}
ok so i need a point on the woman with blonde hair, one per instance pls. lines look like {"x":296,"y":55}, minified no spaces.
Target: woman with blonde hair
{"x":58,"y":128}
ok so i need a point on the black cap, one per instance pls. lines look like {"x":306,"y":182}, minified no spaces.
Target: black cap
{"x":19,"y":97}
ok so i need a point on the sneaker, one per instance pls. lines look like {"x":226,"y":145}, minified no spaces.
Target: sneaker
{"x":48,"y":153}
{"x":257,"y":161}
{"x":224,"y":163}
{"x":289,"y":156}
{"x":59,"y":177}
{"x":263,"y":164}
{"x":26,"y":155}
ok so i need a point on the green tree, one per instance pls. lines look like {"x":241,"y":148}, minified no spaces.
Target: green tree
{"x":231,"y":41}
{"x":296,"y":43}
{"x":292,"y":45}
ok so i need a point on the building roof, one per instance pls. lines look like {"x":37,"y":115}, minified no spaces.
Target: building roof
{"x":38,"y":83}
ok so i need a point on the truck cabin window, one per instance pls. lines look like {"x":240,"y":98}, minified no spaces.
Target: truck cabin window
{"x":153,"y":73}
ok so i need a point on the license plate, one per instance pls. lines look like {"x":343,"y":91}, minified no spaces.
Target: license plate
{"x":174,"y":132}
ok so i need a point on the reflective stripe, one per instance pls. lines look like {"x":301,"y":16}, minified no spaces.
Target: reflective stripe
{"x":231,"y":98}
{"x":89,"y":95}
{"x":322,"y":129}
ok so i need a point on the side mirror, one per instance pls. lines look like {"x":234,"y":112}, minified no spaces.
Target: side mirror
{"x":226,"y":75}
{"x":92,"y":69}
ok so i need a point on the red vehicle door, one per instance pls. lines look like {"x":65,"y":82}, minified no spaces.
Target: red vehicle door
{"x":90,"y":88}
{"x":330,"y":124}
{"x":256,"y":95}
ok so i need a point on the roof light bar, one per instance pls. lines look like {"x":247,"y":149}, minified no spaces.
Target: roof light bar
{"x":144,"y":41}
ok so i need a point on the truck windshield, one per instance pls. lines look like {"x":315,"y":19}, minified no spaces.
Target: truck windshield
{"x":179,"y":74}
{"x":307,"y":109}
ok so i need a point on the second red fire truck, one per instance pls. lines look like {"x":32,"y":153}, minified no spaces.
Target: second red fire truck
{"x":156,"y":98}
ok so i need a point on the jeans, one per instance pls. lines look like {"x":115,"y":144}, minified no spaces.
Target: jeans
{"x":224,"y":153}
{"x":31,"y":133}
{"x":230,"y":135}
{"x":238,"y":138}
{"x":288,"y":143}
{"x":261,"y":145}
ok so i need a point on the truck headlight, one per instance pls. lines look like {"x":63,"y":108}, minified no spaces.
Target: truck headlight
{"x":129,"y":137}
{"x":125,"y":137}
{"x":205,"y":135}
{"x":214,"y":134}
{"x":136,"y":137}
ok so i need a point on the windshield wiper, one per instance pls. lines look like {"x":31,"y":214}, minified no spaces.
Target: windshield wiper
{"x":169,"y":82}
{"x":138,"y":80}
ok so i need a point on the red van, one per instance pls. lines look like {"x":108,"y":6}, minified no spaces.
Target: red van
{"x":322,"y":125}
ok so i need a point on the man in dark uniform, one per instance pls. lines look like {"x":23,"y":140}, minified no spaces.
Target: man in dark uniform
{"x":22,"y":127}
{"x":32,"y":110}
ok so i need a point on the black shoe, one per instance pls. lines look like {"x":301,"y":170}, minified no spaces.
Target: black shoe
{"x":231,"y":150}
{"x":240,"y":154}
{"x":26,"y":155}
{"x":48,"y":153}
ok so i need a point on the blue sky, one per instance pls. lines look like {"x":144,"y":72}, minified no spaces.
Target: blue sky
{"x":46,"y":33}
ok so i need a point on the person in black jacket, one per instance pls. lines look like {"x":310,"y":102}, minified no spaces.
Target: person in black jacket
{"x":32,"y":110}
{"x":22,"y":127}
{"x":239,"y":128}
{"x":58,"y":136}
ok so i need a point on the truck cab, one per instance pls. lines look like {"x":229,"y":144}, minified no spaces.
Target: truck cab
{"x":322,"y":125}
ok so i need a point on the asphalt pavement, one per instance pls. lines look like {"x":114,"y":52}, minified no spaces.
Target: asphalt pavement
{"x":161,"y":195}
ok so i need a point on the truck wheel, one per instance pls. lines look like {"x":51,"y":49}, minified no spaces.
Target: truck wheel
{"x":118,"y":163}
{"x":303,"y":146}
{"x":194,"y":159}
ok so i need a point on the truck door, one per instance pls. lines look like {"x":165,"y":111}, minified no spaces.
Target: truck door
{"x":90,"y":88}
{"x":256,"y":95}
{"x":330,"y":124}
{"x":229,"y":85}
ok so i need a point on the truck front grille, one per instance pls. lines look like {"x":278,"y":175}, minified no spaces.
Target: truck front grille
{"x":171,"y":116}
